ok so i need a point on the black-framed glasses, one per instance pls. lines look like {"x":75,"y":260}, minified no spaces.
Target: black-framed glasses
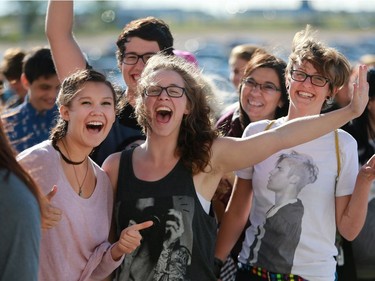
{"x":317,"y":80}
{"x":132,"y":58}
{"x":267,"y":87}
{"x":172,"y":91}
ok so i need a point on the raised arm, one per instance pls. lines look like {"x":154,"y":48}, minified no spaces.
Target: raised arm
{"x":249,"y":151}
{"x":66,"y":53}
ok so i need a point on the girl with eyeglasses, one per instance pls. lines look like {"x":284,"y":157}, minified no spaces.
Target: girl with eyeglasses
{"x":305,"y":250}
{"x":262,"y":95}
{"x":172,"y":177}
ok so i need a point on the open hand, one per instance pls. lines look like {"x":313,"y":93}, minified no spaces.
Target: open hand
{"x":360,"y":92}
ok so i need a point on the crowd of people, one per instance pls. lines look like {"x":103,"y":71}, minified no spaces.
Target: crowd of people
{"x":156,"y":182}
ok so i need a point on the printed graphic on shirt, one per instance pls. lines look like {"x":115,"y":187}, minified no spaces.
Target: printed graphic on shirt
{"x":166,"y":247}
{"x":277,"y":239}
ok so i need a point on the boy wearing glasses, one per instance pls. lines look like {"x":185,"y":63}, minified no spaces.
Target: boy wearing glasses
{"x":314,"y":75}
{"x":139,"y":40}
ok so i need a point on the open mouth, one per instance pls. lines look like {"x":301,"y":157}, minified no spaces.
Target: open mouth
{"x":163,"y":114}
{"x":94,"y":126}
{"x":136,"y":77}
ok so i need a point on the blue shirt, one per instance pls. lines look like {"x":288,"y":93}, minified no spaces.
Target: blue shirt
{"x":26,"y":127}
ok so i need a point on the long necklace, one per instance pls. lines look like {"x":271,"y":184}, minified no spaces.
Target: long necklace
{"x":74,"y":169}
{"x":84,"y":178}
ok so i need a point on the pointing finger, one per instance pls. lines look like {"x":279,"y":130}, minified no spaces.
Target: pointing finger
{"x":142,"y":225}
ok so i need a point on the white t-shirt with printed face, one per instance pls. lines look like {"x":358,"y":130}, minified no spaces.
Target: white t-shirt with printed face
{"x":313,"y":256}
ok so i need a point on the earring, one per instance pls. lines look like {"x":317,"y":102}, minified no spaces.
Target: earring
{"x":329,"y":100}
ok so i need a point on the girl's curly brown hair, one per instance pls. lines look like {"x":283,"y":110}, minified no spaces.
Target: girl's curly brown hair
{"x":196,"y":132}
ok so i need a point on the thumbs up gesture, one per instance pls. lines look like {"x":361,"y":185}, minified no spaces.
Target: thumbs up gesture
{"x":50,"y":214}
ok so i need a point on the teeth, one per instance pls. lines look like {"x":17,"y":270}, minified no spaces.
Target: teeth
{"x":308,"y":95}
{"x":163,"y":108}
{"x":255,"y":103}
{"x":95,"y":123}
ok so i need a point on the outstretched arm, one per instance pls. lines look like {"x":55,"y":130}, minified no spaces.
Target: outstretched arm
{"x":66,"y":53}
{"x":292,"y":133}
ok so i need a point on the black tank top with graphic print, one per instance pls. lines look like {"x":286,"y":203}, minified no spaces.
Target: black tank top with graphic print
{"x":180,"y":244}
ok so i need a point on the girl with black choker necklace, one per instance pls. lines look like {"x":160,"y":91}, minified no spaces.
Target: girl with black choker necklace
{"x":80,"y":211}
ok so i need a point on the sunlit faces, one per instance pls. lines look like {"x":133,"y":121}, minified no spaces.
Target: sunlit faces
{"x":304,"y":96}
{"x":166,"y":112}
{"x":258,"y":104}
{"x":237,"y":67}
{"x":91,"y":113}
{"x":131,"y":73}
{"x":43,"y":92}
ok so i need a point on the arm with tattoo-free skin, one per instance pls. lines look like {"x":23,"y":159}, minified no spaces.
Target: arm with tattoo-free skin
{"x":66,"y":52}
{"x":292,"y":133}
{"x":235,"y":218}
{"x":351,"y":210}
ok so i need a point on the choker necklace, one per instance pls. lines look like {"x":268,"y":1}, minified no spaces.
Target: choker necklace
{"x":66,"y":159}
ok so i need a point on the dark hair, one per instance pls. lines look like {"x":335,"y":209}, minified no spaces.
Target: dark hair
{"x":262,"y":59}
{"x":196,"y":134}
{"x":150,"y":29}
{"x":11,"y":66}
{"x":38,"y":63}
{"x":361,"y":128}
{"x":371,"y":82}
{"x":69,"y":89}
{"x":8,"y":162}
